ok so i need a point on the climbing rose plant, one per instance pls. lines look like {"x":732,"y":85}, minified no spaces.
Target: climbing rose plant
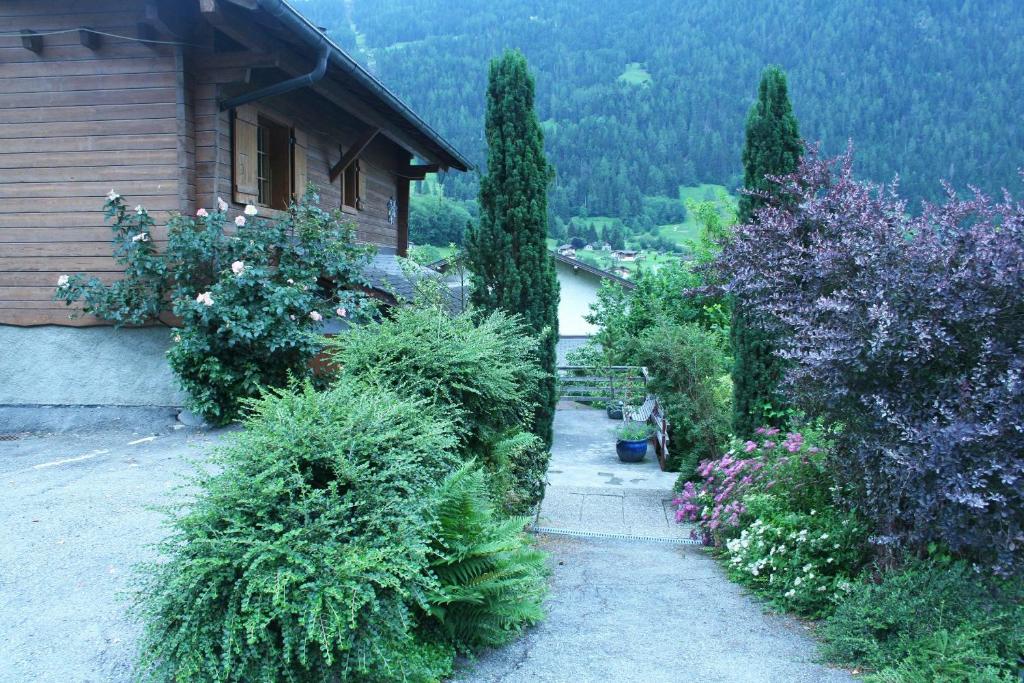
{"x":250,"y":294}
{"x":909,"y":331}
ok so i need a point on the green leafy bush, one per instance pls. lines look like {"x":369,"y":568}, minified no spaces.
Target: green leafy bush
{"x":932,"y":620}
{"x":520,"y":472}
{"x":479,"y":372}
{"x":304,"y":556}
{"x":490,"y":577}
{"x":250,"y":301}
{"x":689,"y":373}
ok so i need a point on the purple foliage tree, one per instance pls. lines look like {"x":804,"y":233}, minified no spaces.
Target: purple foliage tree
{"x":908,"y":331}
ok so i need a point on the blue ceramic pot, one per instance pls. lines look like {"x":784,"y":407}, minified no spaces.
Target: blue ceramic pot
{"x":631,"y":451}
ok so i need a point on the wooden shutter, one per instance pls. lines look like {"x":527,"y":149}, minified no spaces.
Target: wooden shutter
{"x":243,"y":154}
{"x":360,"y":202}
{"x":300,"y":176}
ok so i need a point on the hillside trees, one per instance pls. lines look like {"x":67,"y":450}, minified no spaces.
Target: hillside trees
{"x":922,"y":86}
{"x":507,"y":249}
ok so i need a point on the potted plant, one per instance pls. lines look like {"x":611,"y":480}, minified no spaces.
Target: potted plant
{"x":631,"y":443}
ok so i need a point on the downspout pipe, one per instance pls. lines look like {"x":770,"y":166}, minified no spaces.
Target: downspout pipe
{"x":291,"y":18}
{"x":284,"y":86}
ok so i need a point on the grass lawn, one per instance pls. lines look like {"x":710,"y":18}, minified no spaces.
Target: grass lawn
{"x":636,"y":74}
{"x":429,"y":253}
{"x":689,"y":229}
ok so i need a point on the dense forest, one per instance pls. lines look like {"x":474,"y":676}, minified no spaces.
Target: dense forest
{"x":638,"y":97}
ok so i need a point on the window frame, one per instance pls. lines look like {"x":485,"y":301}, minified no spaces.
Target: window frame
{"x":279,"y":137}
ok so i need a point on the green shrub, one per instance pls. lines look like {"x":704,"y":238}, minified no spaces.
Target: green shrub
{"x":479,"y":373}
{"x":250,"y":300}
{"x":490,"y":577}
{"x":689,"y":374}
{"x":303,"y":557}
{"x":933,"y":620}
{"x":520,"y":472}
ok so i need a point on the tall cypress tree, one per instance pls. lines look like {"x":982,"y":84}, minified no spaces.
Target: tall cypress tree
{"x":507,"y":251}
{"x":772,"y":147}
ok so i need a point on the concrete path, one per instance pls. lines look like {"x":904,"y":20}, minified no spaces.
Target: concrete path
{"x":638,"y":611}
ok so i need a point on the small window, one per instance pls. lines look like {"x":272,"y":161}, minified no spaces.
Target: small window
{"x":273,"y":164}
{"x":350,"y":186}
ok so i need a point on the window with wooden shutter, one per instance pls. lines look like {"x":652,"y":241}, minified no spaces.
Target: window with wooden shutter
{"x":300,"y":176}
{"x":350,"y":186}
{"x":360,"y":185}
{"x":245,"y":136}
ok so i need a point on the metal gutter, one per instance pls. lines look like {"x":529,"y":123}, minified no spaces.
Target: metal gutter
{"x":313,"y":36}
{"x":284,"y":86}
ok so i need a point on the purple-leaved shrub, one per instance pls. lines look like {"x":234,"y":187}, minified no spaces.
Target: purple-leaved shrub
{"x":908,"y":330}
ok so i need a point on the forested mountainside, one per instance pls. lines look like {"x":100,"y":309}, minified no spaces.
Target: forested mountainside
{"x":641,"y":96}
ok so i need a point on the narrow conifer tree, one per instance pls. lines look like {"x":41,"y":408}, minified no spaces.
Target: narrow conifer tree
{"x":772,"y":147}
{"x":507,"y":250}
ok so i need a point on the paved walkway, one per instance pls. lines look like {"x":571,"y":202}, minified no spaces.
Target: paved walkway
{"x":638,"y":611}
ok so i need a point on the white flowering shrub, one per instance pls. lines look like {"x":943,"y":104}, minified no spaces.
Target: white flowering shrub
{"x":250,"y":300}
{"x":803,"y":561}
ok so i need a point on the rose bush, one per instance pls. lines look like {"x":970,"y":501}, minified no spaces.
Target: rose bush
{"x":250,"y":300}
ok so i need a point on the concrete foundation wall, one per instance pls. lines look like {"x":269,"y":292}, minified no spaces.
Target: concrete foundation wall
{"x":91,"y":366}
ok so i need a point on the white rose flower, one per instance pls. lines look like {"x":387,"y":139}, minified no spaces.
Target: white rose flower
{"x":221,"y":204}
{"x":139,"y":210}
{"x":112,"y":195}
{"x":141,"y":237}
{"x":206,"y":298}
{"x":238,"y":267}
{"x":239,"y":221}
{"x":315,"y":316}
{"x":250,"y":210}
{"x":62,"y":281}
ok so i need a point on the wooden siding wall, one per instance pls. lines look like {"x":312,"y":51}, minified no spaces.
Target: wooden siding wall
{"x":75,"y":123}
{"x":328,"y":131}
{"x":142,"y":119}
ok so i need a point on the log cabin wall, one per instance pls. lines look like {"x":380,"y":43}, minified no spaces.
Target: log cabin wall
{"x":326,"y":136}
{"x":327,"y":131}
{"x":75,"y":121}
{"x":87,"y":114}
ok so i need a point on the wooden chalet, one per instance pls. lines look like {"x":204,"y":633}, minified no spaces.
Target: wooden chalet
{"x":172,"y":103}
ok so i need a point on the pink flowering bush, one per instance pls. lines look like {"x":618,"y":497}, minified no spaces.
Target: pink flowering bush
{"x":771,"y":507}
{"x":251,"y":294}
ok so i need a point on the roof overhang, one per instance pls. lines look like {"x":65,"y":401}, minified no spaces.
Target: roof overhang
{"x":345,"y":77}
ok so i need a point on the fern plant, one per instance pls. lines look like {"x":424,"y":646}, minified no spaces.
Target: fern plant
{"x":490,"y":577}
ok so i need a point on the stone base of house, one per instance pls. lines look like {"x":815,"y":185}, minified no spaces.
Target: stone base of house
{"x":51,"y":374}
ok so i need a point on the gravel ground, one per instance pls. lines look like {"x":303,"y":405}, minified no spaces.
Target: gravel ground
{"x":75,"y":519}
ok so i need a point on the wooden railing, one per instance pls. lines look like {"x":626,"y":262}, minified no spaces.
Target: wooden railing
{"x":606,"y":384}
{"x":609,"y":385}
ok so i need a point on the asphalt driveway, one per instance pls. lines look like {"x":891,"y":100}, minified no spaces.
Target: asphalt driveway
{"x":76,"y":517}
